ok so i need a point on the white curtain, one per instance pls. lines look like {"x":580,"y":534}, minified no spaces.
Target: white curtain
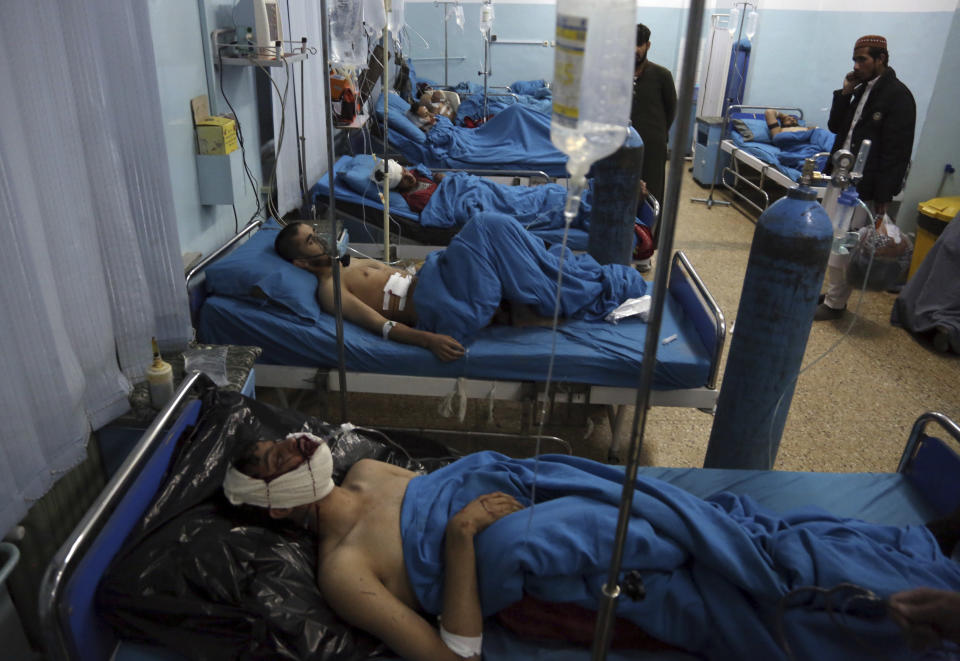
{"x":88,"y":240}
{"x":301,"y":19}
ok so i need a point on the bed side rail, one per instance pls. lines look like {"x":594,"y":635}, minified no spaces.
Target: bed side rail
{"x":931,"y":464}
{"x":698,"y":303}
{"x":66,"y":597}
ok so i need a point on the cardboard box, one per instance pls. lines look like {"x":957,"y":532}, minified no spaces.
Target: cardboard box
{"x":217,"y":135}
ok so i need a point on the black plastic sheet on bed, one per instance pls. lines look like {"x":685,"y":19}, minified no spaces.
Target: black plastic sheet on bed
{"x":212,"y":581}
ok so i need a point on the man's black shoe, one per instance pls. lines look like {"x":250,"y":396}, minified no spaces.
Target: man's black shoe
{"x":826,"y":313}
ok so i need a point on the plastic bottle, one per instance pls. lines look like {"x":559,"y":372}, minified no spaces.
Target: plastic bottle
{"x":159,"y":379}
{"x":592,"y":84}
{"x":750,"y":24}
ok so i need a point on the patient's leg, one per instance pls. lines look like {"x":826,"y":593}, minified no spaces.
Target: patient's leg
{"x":946,"y":531}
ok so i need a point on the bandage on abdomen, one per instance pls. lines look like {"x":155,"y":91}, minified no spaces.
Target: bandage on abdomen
{"x":398,"y":285}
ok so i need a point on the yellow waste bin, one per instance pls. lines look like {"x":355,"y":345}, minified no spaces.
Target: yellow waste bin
{"x":931,"y":221}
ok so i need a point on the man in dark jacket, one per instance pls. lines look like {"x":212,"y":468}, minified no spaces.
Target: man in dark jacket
{"x":652,"y":112}
{"x":872,"y":105}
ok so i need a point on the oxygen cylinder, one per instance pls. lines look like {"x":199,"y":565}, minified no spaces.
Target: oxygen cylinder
{"x":785,"y":271}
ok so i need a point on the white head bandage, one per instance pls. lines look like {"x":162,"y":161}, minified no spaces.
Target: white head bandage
{"x":305,"y":484}
{"x":394,"y":172}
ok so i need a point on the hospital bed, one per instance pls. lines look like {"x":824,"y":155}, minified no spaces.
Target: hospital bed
{"x":359,"y":197}
{"x":596,"y":362}
{"x":517,"y":138}
{"x":756,"y":162}
{"x":925,"y":486}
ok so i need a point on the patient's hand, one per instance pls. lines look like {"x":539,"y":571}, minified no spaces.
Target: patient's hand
{"x":445,"y":347}
{"x":927,"y":615}
{"x":479,"y":513}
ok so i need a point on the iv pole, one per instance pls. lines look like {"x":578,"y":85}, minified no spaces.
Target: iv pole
{"x":332,"y":216}
{"x":709,"y":201}
{"x":611,"y":590}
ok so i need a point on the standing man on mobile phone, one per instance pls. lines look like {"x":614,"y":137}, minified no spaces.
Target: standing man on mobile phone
{"x":872,"y":105}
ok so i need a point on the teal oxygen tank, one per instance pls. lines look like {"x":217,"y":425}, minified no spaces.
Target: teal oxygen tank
{"x":785,"y":272}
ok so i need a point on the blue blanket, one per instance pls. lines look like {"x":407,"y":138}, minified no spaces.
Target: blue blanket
{"x":461,"y":196}
{"x":714,"y":570}
{"x":472,"y":105}
{"x":788,"y":150}
{"x":492,"y":259}
{"x":517,"y":137}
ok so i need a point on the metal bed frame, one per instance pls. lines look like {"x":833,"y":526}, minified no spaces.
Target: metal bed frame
{"x":738,"y":157}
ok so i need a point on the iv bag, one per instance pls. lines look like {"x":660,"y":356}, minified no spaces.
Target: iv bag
{"x":733,"y":22}
{"x":486,"y":18}
{"x":397,"y":19}
{"x":592,"y":79}
{"x":374,"y":17}
{"x":456,"y":11}
{"x":750,"y":24}
{"x":347,"y":39}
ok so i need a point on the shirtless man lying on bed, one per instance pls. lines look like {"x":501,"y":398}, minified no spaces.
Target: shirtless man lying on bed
{"x":778,"y":122}
{"x":376,"y":296}
{"x":364,"y":576}
{"x":373,"y":295}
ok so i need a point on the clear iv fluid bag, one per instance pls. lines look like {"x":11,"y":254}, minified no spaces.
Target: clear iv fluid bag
{"x":348,"y":41}
{"x":592,"y":79}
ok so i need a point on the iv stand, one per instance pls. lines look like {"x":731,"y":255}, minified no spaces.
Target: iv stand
{"x":611,"y":590}
{"x":709,"y":201}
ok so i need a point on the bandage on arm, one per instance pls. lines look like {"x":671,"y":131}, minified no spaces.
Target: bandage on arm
{"x":462,"y":646}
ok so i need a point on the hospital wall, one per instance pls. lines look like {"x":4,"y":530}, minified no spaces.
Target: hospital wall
{"x":178,"y":29}
{"x":800,"y":54}
{"x":938,"y":140}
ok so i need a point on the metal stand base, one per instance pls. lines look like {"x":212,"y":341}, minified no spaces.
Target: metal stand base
{"x":709,"y":201}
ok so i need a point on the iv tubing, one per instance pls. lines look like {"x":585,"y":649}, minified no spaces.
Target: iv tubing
{"x":604,"y":628}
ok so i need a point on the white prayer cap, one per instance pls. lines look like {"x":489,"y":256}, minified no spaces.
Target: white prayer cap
{"x":305,"y":484}
{"x":394,"y":172}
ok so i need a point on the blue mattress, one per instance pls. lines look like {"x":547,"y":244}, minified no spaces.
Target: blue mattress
{"x":596,"y":353}
{"x":577,"y":239}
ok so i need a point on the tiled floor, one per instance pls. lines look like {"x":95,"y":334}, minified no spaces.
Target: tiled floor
{"x":852,"y":411}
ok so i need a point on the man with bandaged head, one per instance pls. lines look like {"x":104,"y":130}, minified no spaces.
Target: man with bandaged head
{"x":394,"y":545}
{"x":361,"y":569}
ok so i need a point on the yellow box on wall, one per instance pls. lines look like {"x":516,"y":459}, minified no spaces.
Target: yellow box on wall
{"x":216,"y":135}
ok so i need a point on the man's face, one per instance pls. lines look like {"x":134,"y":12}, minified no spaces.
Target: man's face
{"x":865,"y":68}
{"x":277,"y":458}
{"x":788,"y":121}
{"x":310,"y":246}
{"x":641,"y":53}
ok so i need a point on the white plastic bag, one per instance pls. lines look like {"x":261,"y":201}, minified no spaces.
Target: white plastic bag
{"x":630,"y":308}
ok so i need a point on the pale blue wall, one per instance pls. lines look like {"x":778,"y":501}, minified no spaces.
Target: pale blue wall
{"x":175,"y":25}
{"x":938,"y":143}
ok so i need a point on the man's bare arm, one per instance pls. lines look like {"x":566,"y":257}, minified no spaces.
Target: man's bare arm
{"x":443,"y":347}
{"x":360,"y":598}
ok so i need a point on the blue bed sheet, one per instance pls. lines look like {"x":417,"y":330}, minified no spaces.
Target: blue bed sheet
{"x":788,"y":150}
{"x":517,"y":138}
{"x":597,"y":353}
{"x":461,"y":196}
